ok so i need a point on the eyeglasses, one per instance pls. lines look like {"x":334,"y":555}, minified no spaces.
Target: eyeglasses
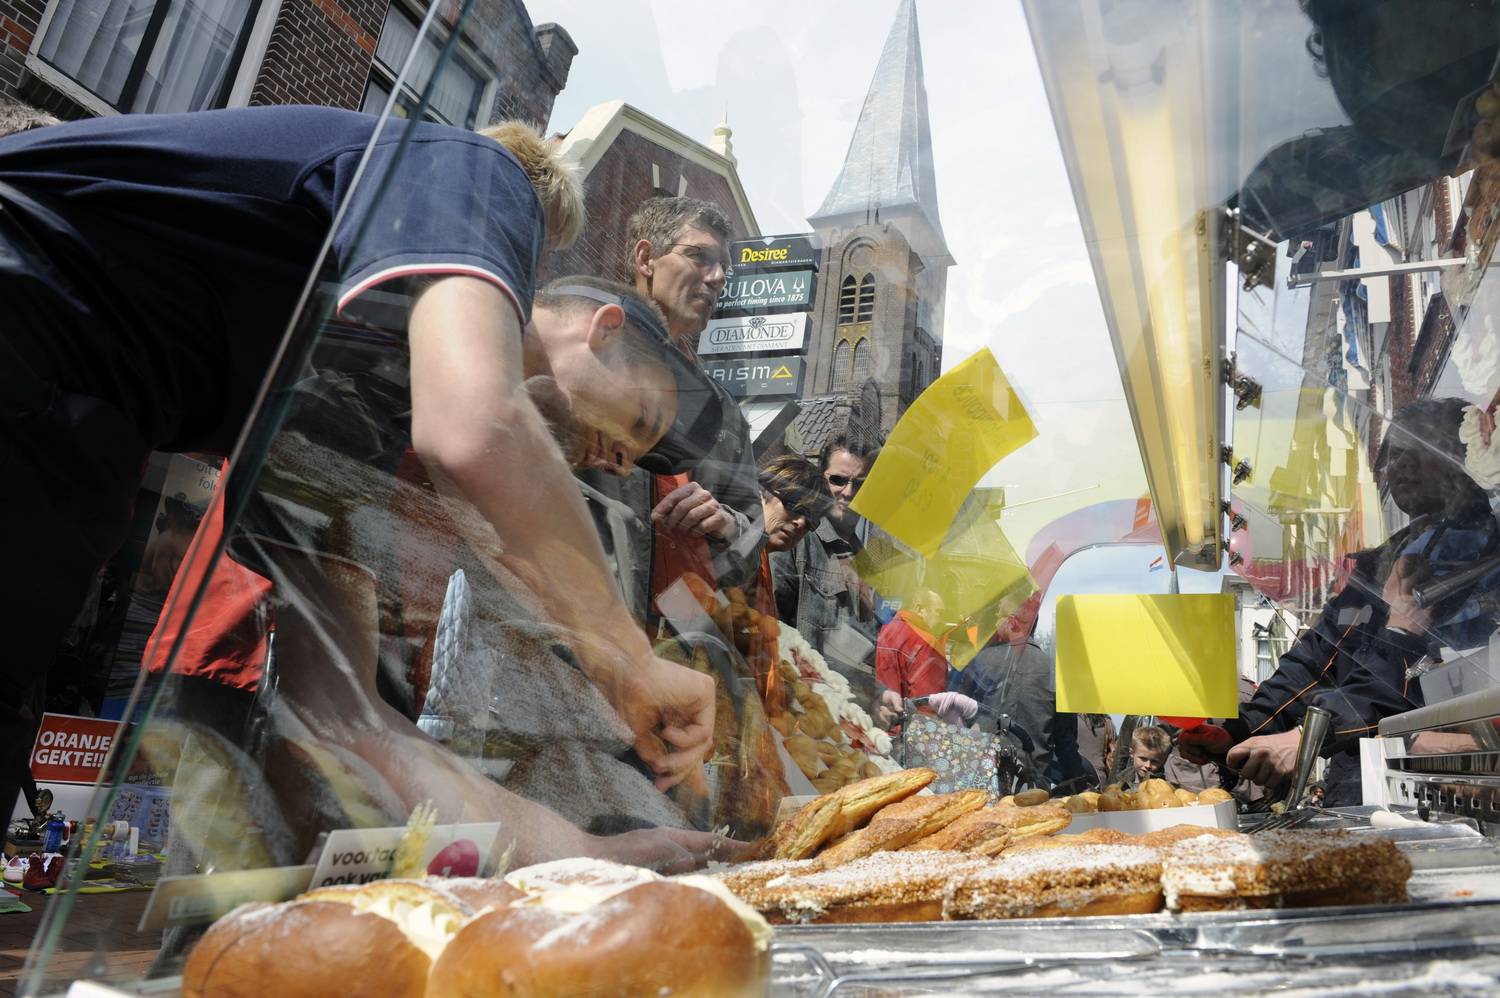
{"x":800,"y":503}
{"x":842,"y":481}
{"x":701,"y":257}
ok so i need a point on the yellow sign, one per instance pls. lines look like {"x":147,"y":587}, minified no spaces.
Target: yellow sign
{"x":953,"y":434}
{"x":976,"y":573}
{"x":782,"y":372}
{"x":1137,"y":654}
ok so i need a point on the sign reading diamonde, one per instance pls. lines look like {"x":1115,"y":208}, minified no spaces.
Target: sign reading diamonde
{"x":754,"y":334}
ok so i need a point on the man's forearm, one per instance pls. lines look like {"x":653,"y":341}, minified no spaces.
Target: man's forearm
{"x":479,"y":435}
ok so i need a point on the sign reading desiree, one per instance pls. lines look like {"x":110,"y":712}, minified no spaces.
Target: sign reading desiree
{"x":769,"y":252}
{"x":791,"y":289}
{"x":754,"y":334}
{"x":760,"y":376}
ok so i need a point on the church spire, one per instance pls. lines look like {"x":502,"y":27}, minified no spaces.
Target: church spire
{"x":889,"y":163}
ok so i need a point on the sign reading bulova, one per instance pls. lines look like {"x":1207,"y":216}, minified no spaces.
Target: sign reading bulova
{"x":754,"y":334}
{"x":791,"y":289}
{"x":773,"y":251}
{"x":753,"y":377}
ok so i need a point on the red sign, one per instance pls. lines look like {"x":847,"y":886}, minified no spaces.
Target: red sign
{"x":71,"y":749}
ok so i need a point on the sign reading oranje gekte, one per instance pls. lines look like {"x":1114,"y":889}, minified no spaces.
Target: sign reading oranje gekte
{"x":71,"y":749}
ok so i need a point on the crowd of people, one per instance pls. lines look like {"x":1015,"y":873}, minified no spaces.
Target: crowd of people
{"x":458,"y":484}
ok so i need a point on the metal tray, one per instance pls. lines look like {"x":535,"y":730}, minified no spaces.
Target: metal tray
{"x":1446,"y":941}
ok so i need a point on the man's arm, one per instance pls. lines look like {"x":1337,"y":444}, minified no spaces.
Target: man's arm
{"x":481,"y":437}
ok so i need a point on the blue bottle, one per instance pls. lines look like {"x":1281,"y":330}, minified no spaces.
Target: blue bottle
{"x":52,"y":841}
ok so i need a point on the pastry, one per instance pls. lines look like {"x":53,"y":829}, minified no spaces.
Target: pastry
{"x":981,"y":831}
{"x":901,"y":824}
{"x":657,"y":938}
{"x":840,"y":812}
{"x":1077,"y":880}
{"x":884,"y":887}
{"x":1285,"y":868}
{"x":304,"y":949}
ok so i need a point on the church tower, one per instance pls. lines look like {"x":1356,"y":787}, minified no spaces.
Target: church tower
{"x":877,"y":330}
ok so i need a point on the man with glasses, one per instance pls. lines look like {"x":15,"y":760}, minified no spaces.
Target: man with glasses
{"x":700,"y":513}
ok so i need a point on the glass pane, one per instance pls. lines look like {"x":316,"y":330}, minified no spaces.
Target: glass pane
{"x":528,"y":579}
{"x":96,"y":41}
{"x":192,"y":56}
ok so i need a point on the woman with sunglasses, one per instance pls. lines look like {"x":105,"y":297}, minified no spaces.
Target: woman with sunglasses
{"x":794,"y":498}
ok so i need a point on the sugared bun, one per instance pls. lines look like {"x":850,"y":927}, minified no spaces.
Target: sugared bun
{"x":656,"y":938}
{"x":305,"y":949}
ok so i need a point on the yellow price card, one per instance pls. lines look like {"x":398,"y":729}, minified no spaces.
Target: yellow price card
{"x":955,"y":432}
{"x":1137,"y":654}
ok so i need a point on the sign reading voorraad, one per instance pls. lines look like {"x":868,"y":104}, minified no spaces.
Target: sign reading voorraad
{"x":792,"y":289}
{"x":360,"y":855}
{"x":754,"y":334}
{"x":71,"y":749}
{"x":752,"y":377}
{"x":769,"y":252}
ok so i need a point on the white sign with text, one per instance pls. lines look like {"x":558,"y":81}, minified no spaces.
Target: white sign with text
{"x":360,"y":855}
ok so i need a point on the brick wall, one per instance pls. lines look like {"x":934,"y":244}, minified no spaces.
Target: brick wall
{"x":320,"y":52}
{"x":616,"y":186}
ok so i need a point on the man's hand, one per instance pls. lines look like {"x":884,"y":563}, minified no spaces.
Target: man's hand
{"x":886,"y":710}
{"x":1266,"y":760}
{"x":692,"y":509}
{"x":670,"y":710}
{"x":955,"y":708}
{"x":1405,"y":614}
{"x":669,"y":850}
{"x":1201,"y":745}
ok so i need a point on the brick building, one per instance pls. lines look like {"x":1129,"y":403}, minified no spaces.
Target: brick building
{"x":626,"y":157}
{"x":77,"y":58}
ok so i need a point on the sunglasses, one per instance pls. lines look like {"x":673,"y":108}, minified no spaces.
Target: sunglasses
{"x":841,"y":481}
{"x":801,"y":503}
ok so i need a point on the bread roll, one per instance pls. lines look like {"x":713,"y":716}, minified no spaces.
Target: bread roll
{"x":655,"y":939}
{"x":305,"y":949}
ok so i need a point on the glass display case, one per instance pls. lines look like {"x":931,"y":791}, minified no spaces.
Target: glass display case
{"x":505,"y":544}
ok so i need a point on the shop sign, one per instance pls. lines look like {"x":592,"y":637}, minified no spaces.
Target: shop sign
{"x":71,"y":749}
{"x":791,"y":289}
{"x":770,"y":252}
{"x":360,"y":855}
{"x":752,"y":377}
{"x":754,"y":334}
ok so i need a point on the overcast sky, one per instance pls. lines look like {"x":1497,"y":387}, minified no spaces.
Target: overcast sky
{"x":792,"y":77}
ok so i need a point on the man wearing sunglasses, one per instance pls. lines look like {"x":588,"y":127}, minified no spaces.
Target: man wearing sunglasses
{"x":699,"y":513}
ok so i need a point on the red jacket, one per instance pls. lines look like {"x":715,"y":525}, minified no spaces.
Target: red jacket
{"x":907,"y":657}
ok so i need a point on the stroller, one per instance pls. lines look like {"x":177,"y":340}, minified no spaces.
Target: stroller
{"x":993,"y":754}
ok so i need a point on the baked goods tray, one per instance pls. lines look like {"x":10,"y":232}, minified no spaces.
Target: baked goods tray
{"x":1446,"y":941}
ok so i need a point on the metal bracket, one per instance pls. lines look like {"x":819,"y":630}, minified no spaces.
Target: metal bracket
{"x":1254,"y":253}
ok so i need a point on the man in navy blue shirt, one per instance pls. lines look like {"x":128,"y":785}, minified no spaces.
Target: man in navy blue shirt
{"x":150,"y":267}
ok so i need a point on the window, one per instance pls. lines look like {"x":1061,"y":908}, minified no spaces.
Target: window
{"x":861,"y":369}
{"x":148,"y":55}
{"x":866,"y":299}
{"x":840,"y":366}
{"x":847,"y":295}
{"x":457,"y":95}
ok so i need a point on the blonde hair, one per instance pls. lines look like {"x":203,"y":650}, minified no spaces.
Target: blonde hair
{"x":557,"y":181}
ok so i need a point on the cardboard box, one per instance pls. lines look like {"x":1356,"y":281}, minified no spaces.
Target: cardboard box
{"x":1224,"y":814}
